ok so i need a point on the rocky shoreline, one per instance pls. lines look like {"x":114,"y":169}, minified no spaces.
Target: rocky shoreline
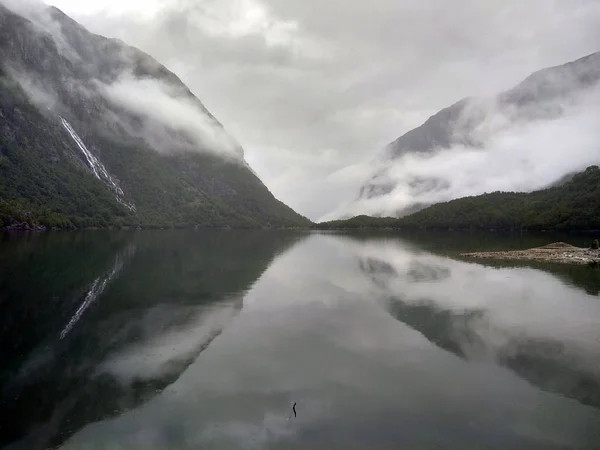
{"x":22,"y":227}
{"x":558,"y":252}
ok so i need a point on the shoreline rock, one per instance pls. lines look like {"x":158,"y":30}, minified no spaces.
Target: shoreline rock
{"x":557,"y":252}
{"x":24,"y":226}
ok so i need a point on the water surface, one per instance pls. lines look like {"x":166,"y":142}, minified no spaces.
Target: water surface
{"x":186,"y":340}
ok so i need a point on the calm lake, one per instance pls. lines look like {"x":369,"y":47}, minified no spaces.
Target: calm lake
{"x":206,"y":339}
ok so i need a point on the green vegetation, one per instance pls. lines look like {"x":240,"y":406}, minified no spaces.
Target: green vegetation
{"x":359,"y":222}
{"x":595,"y":244}
{"x":574,"y":205}
{"x":189,"y":189}
{"x":44,"y":180}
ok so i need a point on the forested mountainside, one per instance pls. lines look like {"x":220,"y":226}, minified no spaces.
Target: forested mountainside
{"x":95,"y":133}
{"x":573,"y":205}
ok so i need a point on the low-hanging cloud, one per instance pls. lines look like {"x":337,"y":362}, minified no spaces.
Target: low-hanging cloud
{"x":38,"y":94}
{"x":293,"y":80}
{"x":42,"y":23}
{"x":155,"y":106}
{"x":158,"y":102}
{"x":513,"y":152}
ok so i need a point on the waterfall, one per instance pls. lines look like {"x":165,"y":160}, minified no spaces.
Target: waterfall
{"x":97,"y":167}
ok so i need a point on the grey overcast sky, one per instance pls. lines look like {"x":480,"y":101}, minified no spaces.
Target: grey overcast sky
{"x":313,"y":89}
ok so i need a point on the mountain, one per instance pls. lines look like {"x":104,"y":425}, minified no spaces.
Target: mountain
{"x":97,"y":133}
{"x":541,"y":100}
{"x":573,"y":205}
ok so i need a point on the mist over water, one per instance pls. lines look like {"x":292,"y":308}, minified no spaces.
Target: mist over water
{"x":206,"y":339}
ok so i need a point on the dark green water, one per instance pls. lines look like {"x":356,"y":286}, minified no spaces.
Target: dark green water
{"x":204,"y":340}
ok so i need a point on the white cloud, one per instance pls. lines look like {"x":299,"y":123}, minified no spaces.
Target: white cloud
{"x":515,"y":157}
{"x":140,"y":8}
{"x":290,"y":77}
{"x":161,"y":103}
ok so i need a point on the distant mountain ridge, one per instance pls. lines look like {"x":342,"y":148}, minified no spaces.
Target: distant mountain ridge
{"x":538,"y":97}
{"x":97,"y":133}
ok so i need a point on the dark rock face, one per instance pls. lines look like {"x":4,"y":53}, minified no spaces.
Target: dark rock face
{"x":555,"y":82}
{"x":539,"y":97}
{"x":528,"y":100}
{"x":436,"y":132}
{"x":119,"y":165}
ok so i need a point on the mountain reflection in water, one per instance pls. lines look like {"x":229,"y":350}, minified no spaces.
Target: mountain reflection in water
{"x":140,"y":307}
{"x":380,"y":341}
{"x":449,"y":315}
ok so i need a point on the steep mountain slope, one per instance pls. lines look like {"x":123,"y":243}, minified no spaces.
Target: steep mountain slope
{"x":574,"y":205}
{"x":542,"y":100}
{"x":96,"y":133}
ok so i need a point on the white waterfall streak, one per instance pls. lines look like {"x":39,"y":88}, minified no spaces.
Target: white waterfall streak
{"x":97,"y":167}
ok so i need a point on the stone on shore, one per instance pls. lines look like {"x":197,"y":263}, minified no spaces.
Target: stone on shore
{"x":558,"y":252}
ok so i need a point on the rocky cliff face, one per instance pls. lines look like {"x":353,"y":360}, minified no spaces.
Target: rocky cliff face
{"x":94,"y":133}
{"x":472,"y":122}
